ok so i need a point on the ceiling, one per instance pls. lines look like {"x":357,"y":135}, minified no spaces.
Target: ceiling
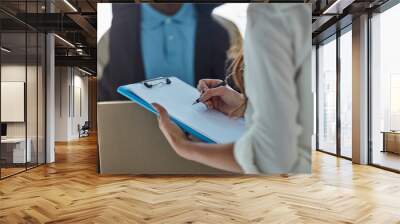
{"x":332,"y":15}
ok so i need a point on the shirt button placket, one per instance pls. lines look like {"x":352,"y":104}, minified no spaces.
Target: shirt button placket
{"x":169,"y":35}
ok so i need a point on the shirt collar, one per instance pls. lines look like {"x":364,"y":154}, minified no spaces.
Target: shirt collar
{"x":151,"y":18}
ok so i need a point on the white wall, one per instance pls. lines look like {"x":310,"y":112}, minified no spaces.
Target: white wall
{"x":13,"y":72}
{"x":80,"y":84}
{"x":62,"y":81}
{"x":70,"y":81}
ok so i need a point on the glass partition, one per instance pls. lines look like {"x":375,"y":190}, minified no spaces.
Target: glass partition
{"x":15,"y":150}
{"x":22,"y":88}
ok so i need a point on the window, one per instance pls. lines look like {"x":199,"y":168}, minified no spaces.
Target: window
{"x":394,"y":102}
{"x":346,"y":93}
{"x":327,"y":96}
{"x":314,"y":84}
{"x":385,"y":89}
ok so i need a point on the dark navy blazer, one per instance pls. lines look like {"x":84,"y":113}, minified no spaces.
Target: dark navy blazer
{"x":126,"y":64}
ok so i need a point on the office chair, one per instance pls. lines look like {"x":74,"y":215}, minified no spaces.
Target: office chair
{"x":84,"y":130}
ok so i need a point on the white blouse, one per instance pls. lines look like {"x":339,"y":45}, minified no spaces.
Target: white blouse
{"x":279,"y":114}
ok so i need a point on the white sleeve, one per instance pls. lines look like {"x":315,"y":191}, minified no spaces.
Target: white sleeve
{"x":270,"y":144}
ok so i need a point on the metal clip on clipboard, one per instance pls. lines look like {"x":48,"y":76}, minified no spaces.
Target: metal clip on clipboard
{"x":157,"y":81}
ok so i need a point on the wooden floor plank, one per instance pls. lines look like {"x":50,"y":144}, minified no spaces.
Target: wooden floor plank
{"x":70,"y":191}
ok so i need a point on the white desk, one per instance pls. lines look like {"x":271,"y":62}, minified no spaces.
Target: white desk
{"x":18,"y":149}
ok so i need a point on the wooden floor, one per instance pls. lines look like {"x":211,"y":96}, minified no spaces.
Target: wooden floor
{"x":5,"y":172}
{"x":387,"y":159}
{"x":70,"y":191}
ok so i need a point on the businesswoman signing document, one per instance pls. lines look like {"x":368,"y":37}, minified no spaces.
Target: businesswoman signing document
{"x":276,"y":102}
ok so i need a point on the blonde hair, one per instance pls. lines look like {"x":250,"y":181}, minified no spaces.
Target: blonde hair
{"x":236,"y":71}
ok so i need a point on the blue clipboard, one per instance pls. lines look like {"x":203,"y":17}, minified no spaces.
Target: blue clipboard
{"x":124,"y":90}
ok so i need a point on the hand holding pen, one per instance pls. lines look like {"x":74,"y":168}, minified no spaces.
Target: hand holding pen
{"x":205,"y":84}
{"x":216,"y":94}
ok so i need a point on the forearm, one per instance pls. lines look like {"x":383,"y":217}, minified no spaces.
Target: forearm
{"x":215,"y":155}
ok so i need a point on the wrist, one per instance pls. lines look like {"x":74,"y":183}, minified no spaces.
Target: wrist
{"x":182,"y":147}
{"x":177,"y":142}
{"x":240,"y":107}
{"x":242,"y":98}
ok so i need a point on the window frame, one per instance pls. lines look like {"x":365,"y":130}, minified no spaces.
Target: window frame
{"x":334,"y":37}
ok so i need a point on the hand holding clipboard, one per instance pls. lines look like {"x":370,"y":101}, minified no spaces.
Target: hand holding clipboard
{"x":177,"y":97}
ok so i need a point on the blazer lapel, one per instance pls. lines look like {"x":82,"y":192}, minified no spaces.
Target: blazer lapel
{"x":135,"y":32}
{"x":126,"y":56}
{"x":202,"y":50}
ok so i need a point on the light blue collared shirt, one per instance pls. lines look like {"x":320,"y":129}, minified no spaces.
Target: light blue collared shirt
{"x":168,"y":43}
